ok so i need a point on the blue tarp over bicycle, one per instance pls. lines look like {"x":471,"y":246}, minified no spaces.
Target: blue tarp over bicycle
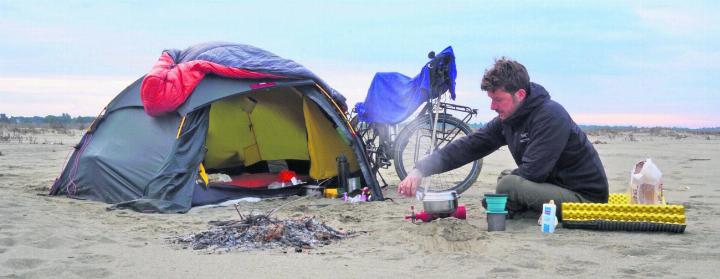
{"x":393,"y":97}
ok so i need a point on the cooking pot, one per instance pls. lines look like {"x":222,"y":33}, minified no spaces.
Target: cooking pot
{"x":440,"y":202}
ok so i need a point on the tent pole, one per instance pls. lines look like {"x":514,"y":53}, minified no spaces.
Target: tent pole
{"x":182,"y":122}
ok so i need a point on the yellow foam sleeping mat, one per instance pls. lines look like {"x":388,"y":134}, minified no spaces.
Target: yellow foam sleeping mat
{"x":619,"y":215}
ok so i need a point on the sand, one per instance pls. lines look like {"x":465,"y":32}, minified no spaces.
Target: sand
{"x":58,"y":237}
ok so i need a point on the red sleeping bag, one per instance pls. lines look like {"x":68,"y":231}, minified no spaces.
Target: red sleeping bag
{"x":252,"y":180}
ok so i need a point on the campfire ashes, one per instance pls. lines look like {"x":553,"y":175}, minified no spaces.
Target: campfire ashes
{"x":262,"y":232}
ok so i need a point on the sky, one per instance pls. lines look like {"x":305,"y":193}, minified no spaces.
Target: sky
{"x":641,"y":63}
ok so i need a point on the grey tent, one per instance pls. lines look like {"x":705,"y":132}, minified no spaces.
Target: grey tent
{"x":227,"y":125}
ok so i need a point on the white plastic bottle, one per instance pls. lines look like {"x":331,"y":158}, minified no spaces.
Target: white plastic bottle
{"x":548,"y":217}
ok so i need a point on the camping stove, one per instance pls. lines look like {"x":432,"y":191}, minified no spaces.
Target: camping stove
{"x":458,"y":213}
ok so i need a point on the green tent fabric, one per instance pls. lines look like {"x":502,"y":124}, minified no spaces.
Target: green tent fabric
{"x":269,"y":126}
{"x":323,"y":148}
{"x":277,"y":125}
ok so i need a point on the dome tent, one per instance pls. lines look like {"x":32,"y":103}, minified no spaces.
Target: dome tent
{"x":216,"y":107}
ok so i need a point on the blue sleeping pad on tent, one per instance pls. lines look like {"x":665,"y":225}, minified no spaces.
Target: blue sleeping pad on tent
{"x":393,"y":97}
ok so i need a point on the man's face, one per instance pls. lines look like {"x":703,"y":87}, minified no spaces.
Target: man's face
{"x":505,"y":103}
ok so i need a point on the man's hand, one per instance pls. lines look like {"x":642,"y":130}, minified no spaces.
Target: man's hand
{"x":409,"y":185}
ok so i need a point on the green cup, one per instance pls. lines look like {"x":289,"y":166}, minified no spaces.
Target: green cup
{"x":496,"y":202}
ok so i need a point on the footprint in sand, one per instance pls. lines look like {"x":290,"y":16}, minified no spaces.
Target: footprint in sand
{"x":572,"y":270}
{"x":22,"y":263}
{"x":647,"y":271}
{"x":106,"y":240}
{"x":49,"y":243}
{"x":92,"y":259}
{"x":348,"y":218}
{"x":572,"y":262}
{"x":138,"y":242}
{"x":529,"y":263}
{"x":65,"y":272}
{"x":395,"y":257}
{"x":92,"y":272}
{"x":640,"y":252}
{"x":9,"y":205}
{"x":502,"y":272}
{"x":7,"y":242}
{"x":16,"y":218}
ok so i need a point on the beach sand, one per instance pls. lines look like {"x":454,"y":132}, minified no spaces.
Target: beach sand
{"x":58,"y":237}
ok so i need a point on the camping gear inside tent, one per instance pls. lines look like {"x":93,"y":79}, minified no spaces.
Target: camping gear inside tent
{"x":273,"y":116}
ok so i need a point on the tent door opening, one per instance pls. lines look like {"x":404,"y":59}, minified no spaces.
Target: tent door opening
{"x":252,"y":137}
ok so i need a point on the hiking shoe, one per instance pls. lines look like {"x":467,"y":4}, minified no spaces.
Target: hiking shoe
{"x":504,"y":173}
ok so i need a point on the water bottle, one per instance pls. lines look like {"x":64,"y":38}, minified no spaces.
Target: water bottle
{"x":343,"y":169}
{"x":548,"y":219}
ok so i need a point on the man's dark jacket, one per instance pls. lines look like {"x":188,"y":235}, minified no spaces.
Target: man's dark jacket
{"x":546,"y":144}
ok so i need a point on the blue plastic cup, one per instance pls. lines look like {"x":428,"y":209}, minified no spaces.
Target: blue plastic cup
{"x":496,"y":202}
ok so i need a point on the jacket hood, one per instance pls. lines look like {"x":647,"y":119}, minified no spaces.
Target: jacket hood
{"x":536,"y":97}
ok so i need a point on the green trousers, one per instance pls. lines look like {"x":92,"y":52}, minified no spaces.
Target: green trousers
{"x":526,"y":195}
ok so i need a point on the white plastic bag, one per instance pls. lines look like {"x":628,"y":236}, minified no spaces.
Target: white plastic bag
{"x":219,"y":177}
{"x":646,"y":184}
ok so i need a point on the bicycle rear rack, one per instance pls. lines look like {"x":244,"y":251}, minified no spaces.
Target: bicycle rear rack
{"x":470,"y":112}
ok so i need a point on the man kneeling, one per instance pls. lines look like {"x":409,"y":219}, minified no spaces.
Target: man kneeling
{"x":555,"y":159}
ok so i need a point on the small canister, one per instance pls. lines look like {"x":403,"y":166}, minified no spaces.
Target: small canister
{"x":343,"y":169}
{"x":330,"y":193}
{"x":354,"y":184}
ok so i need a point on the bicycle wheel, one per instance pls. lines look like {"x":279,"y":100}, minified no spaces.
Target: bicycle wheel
{"x":371,"y":142}
{"x":414,"y":143}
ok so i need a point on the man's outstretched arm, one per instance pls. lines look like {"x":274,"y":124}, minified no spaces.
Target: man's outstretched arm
{"x":464,"y":150}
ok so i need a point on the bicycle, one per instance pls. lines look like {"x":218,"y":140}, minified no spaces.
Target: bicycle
{"x":384,"y":144}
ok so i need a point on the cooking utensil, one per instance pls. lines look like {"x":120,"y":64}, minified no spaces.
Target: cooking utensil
{"x":440,"y":202}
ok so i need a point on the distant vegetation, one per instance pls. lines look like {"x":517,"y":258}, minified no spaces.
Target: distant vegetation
{"x":597,"y":129}
{"x":651,"y":130}
{"x":23,"y":129}
{"x":63,"y":121}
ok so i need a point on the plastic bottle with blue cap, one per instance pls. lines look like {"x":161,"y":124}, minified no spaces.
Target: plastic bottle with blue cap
{"x":548,"y":219}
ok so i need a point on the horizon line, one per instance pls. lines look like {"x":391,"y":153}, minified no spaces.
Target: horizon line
{"x":613,"y":125}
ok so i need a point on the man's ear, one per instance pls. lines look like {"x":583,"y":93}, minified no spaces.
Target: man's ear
{"x":520,"y":95}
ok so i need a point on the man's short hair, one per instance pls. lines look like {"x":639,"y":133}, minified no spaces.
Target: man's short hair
{"x":506,"y":74}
